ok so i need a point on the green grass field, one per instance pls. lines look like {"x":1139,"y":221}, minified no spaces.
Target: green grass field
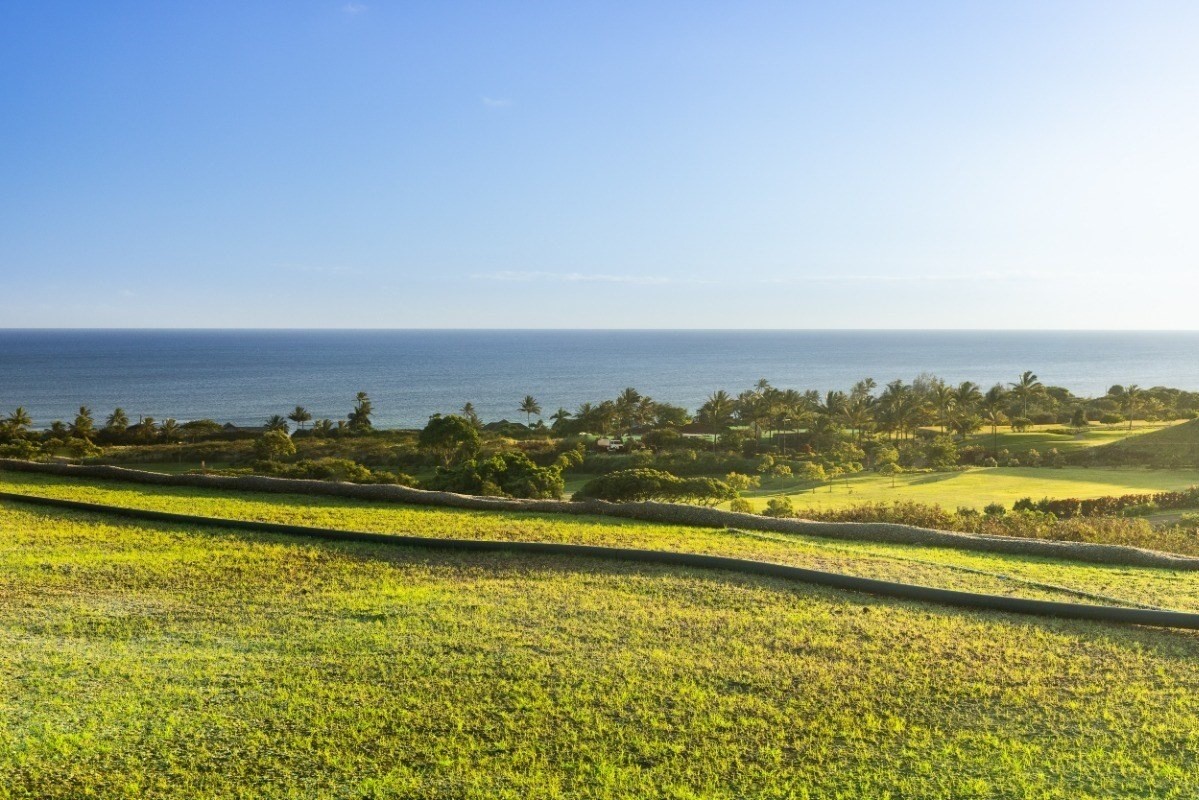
{"x":157,"y":660}
{"x":947,"y":568}
{"x":975,"y":488}
{"x":1045,"y":437}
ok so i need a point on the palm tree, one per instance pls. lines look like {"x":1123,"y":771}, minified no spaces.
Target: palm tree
{"x":967,"y":396}
{"x":864,"y":388}
{"x":943,"y":398}
{"x":626,"y":404}
{"x":360,"y":418}
{"x":277,"y":423}
{"x":559,"y":417}
{"x":19,"y":419}
{"x":84,"y":426}
{"x":300,"y":416}
{"x":468,"y":411}
{"x":117,"y":421}
{"x":586,"y":416}
{"x":324,"y":426}
{"x":992,"y":404}
{"x":895,"y":407}
{"x":717,"y":412}
{"x":1025,"y":389}
{"x":1130,"y":401}
{"x":169,"y":430}
{"x":530,"y":407}
{"x":857,"y":414}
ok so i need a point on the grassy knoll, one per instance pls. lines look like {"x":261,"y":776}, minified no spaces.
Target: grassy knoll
{"x":1045,"y":437}
{"x":977,"y":487}
{"x":154,"y":660}
{"x":1176,"y":444}
{"x":943,"y":567}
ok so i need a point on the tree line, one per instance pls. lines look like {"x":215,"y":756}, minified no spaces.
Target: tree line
{"x":895,"y":411}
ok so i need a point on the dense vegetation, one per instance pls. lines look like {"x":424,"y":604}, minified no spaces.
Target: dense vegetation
{"x":764,"y":450}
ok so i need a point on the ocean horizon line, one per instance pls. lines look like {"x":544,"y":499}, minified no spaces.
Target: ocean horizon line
{"x":319,"y":329}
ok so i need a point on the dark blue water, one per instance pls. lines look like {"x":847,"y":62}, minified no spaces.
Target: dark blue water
{"x":245,"y":376}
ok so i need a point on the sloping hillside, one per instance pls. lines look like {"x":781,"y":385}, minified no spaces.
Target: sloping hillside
{"x":155,"y":660}
{"x":1175,"y":446}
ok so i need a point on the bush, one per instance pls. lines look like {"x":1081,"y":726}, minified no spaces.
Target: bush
{"x":451,"y":438}
{"x":1111,"y":419}
{"x":331,"y":469}
{"x":641,"y":485}
{"x":779,"y":507}
{"x":274,"y":445}
{"x":741,"y":483}
{"x":19,"y":448}
{"x":82,"y":448}
{"x":663,"y":439}
{"x":509,"y":474}
{"x":741,"y":506}
{"x":811,"y":471}
{"x":994,"y":510}
{"x":941,"y":452}
{"x":989,"y":462}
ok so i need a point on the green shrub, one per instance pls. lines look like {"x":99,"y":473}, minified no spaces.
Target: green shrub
{"x":741,"y":483}
{"x":509,"y":474}
{"x":274,"y":445}
{"x":640,"y":485}
{"x":19,"y":448}
{"x":811,"y":471}
{"x":741,"y":506}
{"x":779,"y":507}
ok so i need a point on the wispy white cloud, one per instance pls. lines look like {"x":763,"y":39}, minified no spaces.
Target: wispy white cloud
{"x":518,"y":276}
{"x":995,"y":276}
{"x":354,"y":8}
{"x":496,"y":102}
{"x":965,"y":276}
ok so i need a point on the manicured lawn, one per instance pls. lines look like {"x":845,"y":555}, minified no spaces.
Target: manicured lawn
{"x":975,"y":488}
{"x":153,"y":660}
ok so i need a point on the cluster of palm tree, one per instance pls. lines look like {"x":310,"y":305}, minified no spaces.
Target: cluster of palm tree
{"x":116,"y":427}
{"x":627,"y":412}
{"x":897,"y":411}
{"x":357,"y":421}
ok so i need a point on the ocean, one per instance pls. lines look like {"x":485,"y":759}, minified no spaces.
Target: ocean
{"x":244,"y":376}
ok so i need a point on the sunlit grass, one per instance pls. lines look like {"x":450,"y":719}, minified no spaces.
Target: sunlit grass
{"x":150,"y":660}
{"x":975,"y":488}
{"x":991,"y":573}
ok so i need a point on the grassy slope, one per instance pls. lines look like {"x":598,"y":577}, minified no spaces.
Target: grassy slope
{"x":1044,"y":437}
{"x":972,"y":571}
{"x":977,"y":487}
{"x":1178,"y":442}
{"x":150,"y":660}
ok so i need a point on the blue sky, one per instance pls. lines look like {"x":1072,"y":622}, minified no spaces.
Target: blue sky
{"x":705,"y":165}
